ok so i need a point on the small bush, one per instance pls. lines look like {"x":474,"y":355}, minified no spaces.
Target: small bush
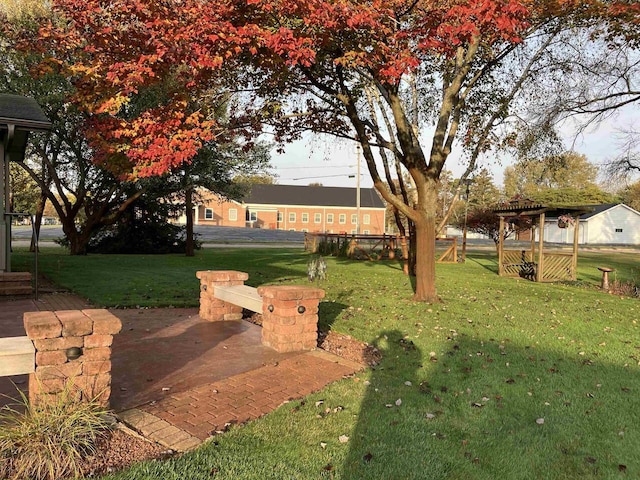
{"x":625,"y":289}
{"x":48,"y":441}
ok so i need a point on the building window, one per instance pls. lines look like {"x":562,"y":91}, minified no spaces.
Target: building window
{"x":292,"y":217}
{"x":329,"y":217}
{"x":208,"y":213}
{"x":353,"y":232}
{"x":305,"y":217}
{"x":292,"y":229}
{"x":305,"y":230}
{"x":233,"y":214}
{"x":366,"y":219}
{"x":354,"y":218}
{"x":317,"y":218}
{"x":280,"y":217}
{"x":253,"y":217}
{"x":366,"y":232}
{"x":618,"y":230}
{"x":342,"y":219}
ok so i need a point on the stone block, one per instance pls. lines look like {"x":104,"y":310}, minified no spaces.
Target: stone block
{"x":74,"y":323}
{"x":40,"y":325}
{"x":92,"y":341}
{"x":61,"y":343}
{"x":96,"y":354}
{"x":68,"y":370}
{"x":39,"y":386}
{"x":104,"y":322}
{"x":96,"y":367}
{"x":53,"y":357}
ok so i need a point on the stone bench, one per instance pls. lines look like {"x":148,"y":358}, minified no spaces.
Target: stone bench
{"x":17,"y":356}
{"x":289,"y":312}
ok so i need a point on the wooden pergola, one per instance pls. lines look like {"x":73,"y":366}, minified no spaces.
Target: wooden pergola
{"x":538,"y":264}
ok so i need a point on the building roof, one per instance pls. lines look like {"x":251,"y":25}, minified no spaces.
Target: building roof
{"x":312,"y":195}
{"x":598,"y":209}
{"x":23,"y":112}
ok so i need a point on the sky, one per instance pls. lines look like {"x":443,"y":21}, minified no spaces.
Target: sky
{"x":330,"y":161}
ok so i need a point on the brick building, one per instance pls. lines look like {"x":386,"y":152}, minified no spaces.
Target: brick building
{"x":296,"y":208}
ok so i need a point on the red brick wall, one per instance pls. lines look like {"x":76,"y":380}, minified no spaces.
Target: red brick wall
{"x":305,"y":217}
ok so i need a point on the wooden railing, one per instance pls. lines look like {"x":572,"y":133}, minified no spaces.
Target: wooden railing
{"x":374,"y":247}
{"x":518,"y":263}
{"x":555,"y":266}
{"x":558,"y":266}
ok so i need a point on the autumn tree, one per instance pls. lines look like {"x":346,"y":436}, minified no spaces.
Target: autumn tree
{"x":483,"y":220}
{"x":630,"y":195}
{"x":467,"y":63}
{"x":566,"y":179}
{"x":464,"y":67}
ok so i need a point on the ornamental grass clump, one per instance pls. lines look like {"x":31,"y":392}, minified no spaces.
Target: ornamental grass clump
{"x":49,"y":441}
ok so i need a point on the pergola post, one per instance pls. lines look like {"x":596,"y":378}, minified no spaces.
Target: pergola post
{"x":574,"y":259}
{"x":5,"y":238}
{"x":540,"y":270}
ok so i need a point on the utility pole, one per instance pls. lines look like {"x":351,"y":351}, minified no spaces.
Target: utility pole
{"x":358,"y":193}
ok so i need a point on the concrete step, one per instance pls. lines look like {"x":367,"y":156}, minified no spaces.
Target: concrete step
{"x":15,"y":283}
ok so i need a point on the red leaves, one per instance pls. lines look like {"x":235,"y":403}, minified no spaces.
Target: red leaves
{"x":116,"y":50}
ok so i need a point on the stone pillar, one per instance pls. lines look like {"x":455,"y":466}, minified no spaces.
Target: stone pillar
{"x":290,"y":317}
{"x":211,"y":308}
{"x":57,"y":336}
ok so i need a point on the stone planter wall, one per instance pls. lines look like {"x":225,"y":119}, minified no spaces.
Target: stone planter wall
{"x":55,"y":335}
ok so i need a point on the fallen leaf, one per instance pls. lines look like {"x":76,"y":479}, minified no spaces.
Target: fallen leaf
{"x":540,"y":421}
{"x":408,"y":383}
{"x":430,"y":416}
{"x":343,"y":439}
{"x":323,"y":444}
{"x":398,"y":402}
{"x":622,"y":468}
{"x":319,"y":402}
{"x":328,"y":467}
{"x":367,"y":458}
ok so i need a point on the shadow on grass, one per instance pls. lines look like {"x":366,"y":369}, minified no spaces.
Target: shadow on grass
{"x":492,"y":409}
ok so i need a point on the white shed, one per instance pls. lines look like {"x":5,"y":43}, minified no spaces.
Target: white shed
{"x":610,"y":223}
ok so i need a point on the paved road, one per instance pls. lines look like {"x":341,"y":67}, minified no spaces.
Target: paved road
{"x":222,"y":235}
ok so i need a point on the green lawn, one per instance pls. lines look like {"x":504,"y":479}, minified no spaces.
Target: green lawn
{"x":504,"y":379}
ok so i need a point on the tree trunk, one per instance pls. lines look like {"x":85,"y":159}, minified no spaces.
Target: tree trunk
{"x":425,"y":280}
{"x":189,"y":243}
{"x":78,"y":241}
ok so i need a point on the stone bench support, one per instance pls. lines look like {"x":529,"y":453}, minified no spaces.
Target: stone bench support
{"x":214,"y":309}
{"x":71,"y":346}
{"x":289,"y":312}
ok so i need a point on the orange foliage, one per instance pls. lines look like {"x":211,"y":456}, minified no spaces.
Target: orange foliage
{"x":114,"y":50}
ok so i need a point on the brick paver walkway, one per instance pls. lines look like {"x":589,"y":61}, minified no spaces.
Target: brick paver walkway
{"x":199,"y":403}
{"x":206,"y":409}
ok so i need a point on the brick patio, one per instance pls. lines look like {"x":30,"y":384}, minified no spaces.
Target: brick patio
{"x":178,"y":379}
